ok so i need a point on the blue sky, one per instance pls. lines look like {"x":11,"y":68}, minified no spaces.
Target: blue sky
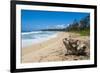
{"x":36,"y":20}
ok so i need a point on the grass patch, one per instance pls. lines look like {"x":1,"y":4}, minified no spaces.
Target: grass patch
{"x":85,"y":32}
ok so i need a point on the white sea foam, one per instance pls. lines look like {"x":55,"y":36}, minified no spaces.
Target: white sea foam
{"x":31,"y":32}
{"x":30,"y":38}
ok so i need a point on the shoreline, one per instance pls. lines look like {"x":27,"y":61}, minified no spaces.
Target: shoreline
{"x":37,"y":40}
{"x":49,"y":50}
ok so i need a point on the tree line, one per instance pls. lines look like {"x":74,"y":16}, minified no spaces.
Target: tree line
{"x":82,"y":24}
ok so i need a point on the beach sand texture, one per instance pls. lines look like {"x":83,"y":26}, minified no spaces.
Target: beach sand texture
{"x":52,"y":50}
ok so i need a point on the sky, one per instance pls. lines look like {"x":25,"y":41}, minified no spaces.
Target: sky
{"x":36,"y":20}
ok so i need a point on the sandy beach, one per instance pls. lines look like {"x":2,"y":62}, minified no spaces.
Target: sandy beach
{"x":52,"y":50}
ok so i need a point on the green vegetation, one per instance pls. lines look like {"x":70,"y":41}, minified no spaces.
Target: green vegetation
{"x":82,"y":27}
{"x":85,"y":32}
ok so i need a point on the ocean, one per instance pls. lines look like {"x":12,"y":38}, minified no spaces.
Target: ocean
{"x":29,"y":38}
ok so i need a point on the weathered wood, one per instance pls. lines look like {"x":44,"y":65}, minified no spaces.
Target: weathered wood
{"x":74,"y":47}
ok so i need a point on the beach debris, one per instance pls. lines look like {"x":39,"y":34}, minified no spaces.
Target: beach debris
{"x":74,"y":47}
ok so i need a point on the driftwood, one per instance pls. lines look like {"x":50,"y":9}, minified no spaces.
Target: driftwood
{"x":74,"y":47}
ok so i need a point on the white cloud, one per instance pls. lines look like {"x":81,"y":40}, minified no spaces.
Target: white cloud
{"x":62,"y":26}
